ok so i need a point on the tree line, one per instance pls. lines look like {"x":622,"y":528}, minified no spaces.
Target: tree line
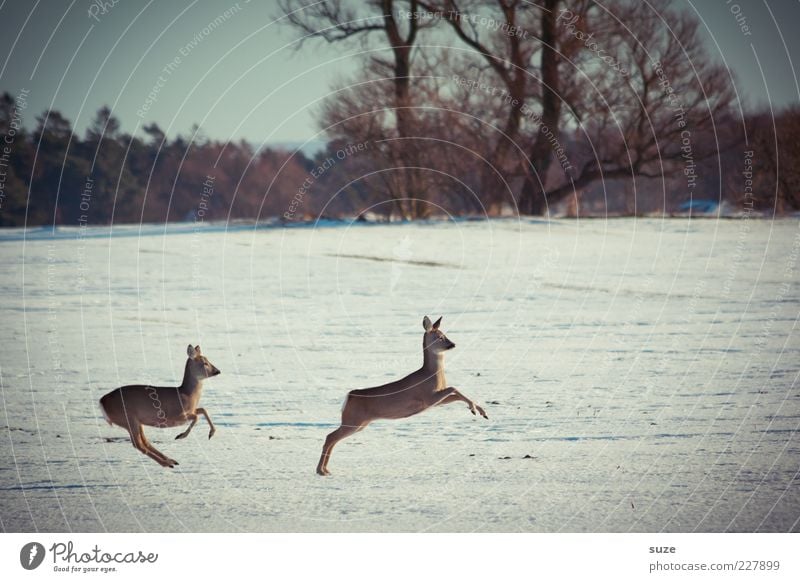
{"x":54,"y":176}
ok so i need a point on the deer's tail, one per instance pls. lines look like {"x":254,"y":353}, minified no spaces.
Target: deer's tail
{"x":104,"y":411}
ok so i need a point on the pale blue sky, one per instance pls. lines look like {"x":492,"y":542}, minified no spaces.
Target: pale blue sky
{"x":243,"y":80}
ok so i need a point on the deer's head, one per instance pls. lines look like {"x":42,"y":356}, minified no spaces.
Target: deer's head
{"x":199,"y":366}
{"x":434,"y":339}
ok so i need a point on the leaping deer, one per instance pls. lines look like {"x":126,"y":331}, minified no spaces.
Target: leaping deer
{"x":411,"y":395}
{"x":134,"y":407}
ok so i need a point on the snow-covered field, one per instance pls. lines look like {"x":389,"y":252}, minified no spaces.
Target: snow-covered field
{"x":639,"y":375}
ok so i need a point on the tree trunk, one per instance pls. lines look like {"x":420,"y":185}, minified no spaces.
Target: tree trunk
{"x":404,"y":116}
{"x":533,"y":197}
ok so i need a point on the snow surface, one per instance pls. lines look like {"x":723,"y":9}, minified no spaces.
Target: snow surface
{"x":639,"y":375}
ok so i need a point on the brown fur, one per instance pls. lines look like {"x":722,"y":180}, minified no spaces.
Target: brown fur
{"x":136,"y":406}
{"x":406,"y":397}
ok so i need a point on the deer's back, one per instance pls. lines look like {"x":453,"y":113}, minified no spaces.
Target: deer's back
{"x":150,"y":405}
{"x":414,"y":382}
{"x":399,"y":399}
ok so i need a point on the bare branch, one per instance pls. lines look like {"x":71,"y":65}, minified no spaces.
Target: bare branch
{"x":328,"y":20}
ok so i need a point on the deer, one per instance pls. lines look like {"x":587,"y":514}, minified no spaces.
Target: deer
{"x":136,"y":406}
{"x":417,"y":392}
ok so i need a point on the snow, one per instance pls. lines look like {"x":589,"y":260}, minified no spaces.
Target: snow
{"x":639,"y":375}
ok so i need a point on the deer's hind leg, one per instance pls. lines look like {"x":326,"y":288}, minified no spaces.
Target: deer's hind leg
{"x":340,"y":433}
{"x":141,"y":443}
{"x":136,"y":440}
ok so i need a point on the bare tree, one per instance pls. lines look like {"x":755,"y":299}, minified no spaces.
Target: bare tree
{"x":506,"y":57}
{"x":448,"y":144}
{"x":630,"y":81}
{"x":770,"y":160}
{"x":510,"y":40}
{"x":335,"y":21}
{"x":656,"y":119}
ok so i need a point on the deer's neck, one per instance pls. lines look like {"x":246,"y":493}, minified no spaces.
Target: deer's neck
{"x":433,"y":363}
{"x":190,"y":384}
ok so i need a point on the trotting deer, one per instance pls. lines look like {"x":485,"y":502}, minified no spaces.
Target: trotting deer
{"x":134,"y":407}
{"x":416,"y":392}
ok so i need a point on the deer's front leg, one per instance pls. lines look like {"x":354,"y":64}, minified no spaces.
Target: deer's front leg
{"x":185,"y":433}
{"x":453,"y":395}
{"x":208,"y":420}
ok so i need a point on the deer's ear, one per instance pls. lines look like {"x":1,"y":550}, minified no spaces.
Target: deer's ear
{"x":426,"y":323}
{"x":190,"y":351}
{"x":197,"y":351}
{"x":436,"y":325}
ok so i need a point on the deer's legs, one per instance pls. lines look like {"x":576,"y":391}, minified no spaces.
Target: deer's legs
{"x":152,"y":452}
{"x":140,"y":444}
{"x":193,"y":416}
{"x":185,"y":433}
{"x":452,"y":395}
{"x":340,"y":433}
{"x":208,"y":420}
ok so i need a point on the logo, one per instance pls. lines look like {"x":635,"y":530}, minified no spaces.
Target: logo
{"x":31,"y":555}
